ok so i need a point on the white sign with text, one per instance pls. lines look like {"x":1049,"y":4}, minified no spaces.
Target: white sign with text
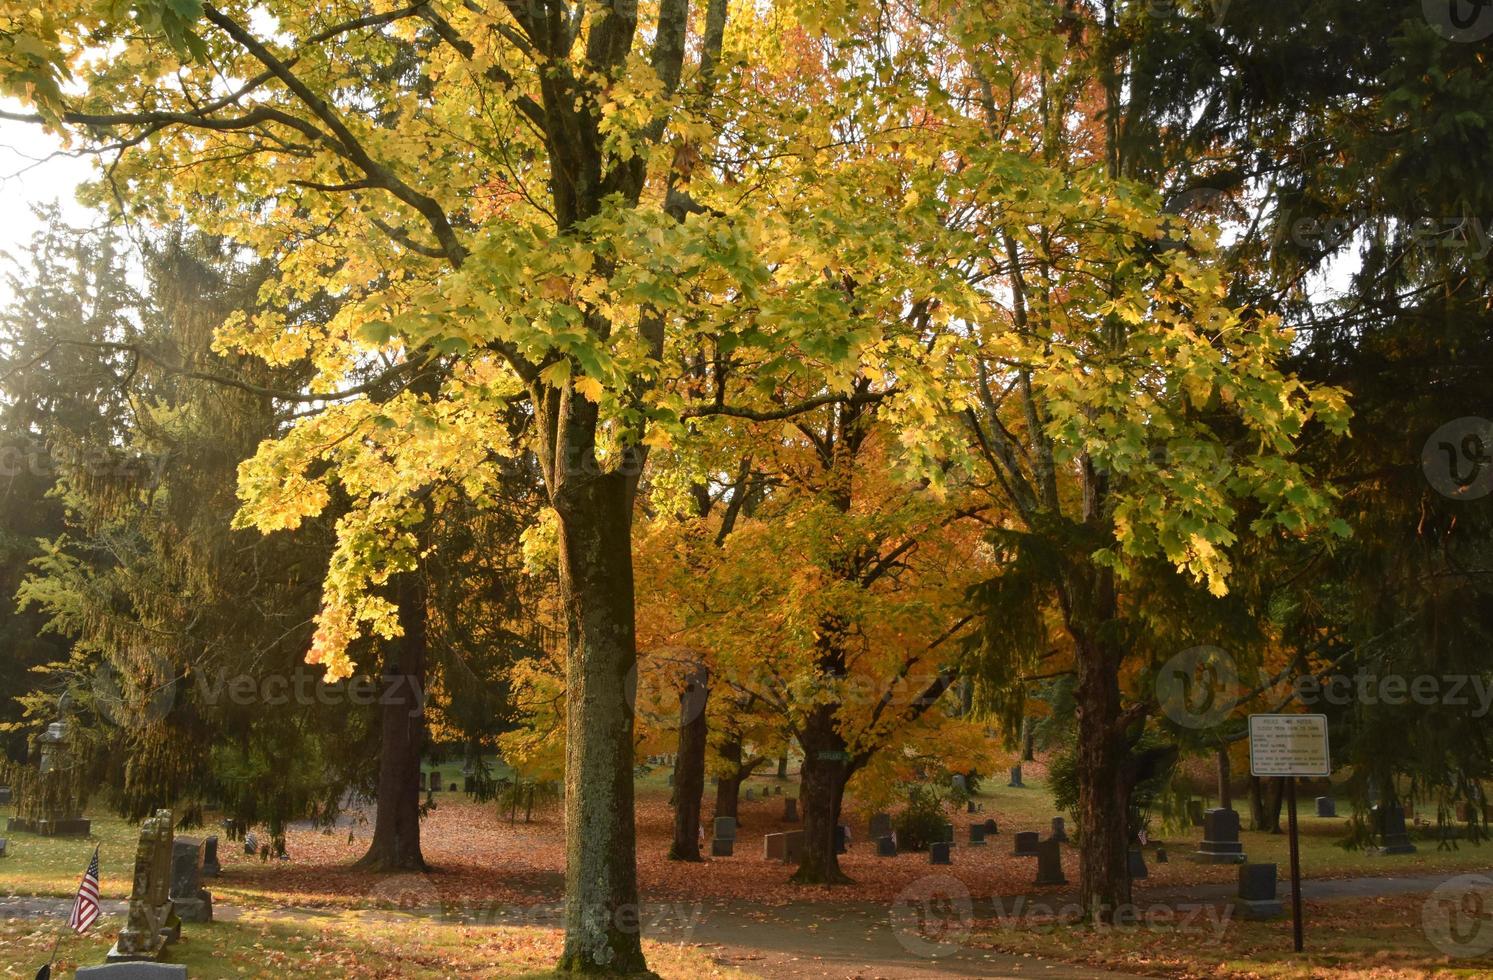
{"x":1288,"y":745}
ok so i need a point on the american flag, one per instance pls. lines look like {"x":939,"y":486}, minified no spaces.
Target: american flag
{"x":85,"y":907}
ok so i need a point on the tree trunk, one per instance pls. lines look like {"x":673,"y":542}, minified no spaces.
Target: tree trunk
{"x":728,"y":787}
{"x":1256,"y":803}
{"x":783,"y":766}
{"x":689,"y":771}
{"x":1275,"y":796}
{"x":396,"y":827}
{"x":1028,"y":740}
{"x":1103,"y":793}
{"x":1225,"y":777}
{"x":824,"y":766}
{"x":596,"y":591}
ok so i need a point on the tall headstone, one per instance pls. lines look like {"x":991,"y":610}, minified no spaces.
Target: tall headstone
{"x":150,"y":922}
{"x":790,"y":810}
{"x":938,"y":853}
{"x":1026,"y":843}
{"x":49,"y":797}
{"x":210,"y":866}
{"x":435,"y":782}
{"x":1389,"y":826}
{"x":1136,"y":862}
{"x":1059,"y":830}
{"x":976,"y":835}
{"x":1256,"y":898}
{"x":1326,"y":806}
{"x":1220,"y":839}
{"x":1050,"y":864}
{"x":1016,"y":777}
{"x":886,"y":846}
{"x":192,"y":902}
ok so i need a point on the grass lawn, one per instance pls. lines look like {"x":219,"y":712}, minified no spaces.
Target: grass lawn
{"x":336,"y":945}
{"x":1380,"y":937}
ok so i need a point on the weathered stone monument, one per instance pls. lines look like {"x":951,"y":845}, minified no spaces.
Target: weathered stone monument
{"x":1389,"y":827}
{"x":938,"y":853}
{"x":1220,"y":839}
{"x":976,"y":835}
{"x":1059,"y":830}
{"x":990,"y":828}
{"x":787,"y":847}
{"x":886,"y":846}
{"x":1026,"y":843}
{"x":1136,"y":862}
{"x":724,"y":841}
{"x":1256,"y":898}
{"x":1050,"y":864}
{"x":191,"y":901}
{"x":133,"y":971}
{"x":1326,"y":806}
{"x":5,"y":796}
{"x":151,"y":922}
{"x":1016,"y":782}
{"x":210,"y":866}
{"x":49,"y":798}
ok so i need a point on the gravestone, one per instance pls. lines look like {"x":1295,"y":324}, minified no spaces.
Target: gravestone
{"x":842,"y":838}
{"x":1059,"y":830}
{"x":751,"y":796}
{"x":938,"y":853}
{"x":969,"y":806}
{"x":786,"y":847}
{"x":1389,"y":825}
{"x":777,"y":791}
{"x":1326,"y":806}
{"x":990,"y":829}
{"x":150,"y":923}
{"x":49,"y":796}
{"x":1256,"y":898}
{"x":1026,"y":843}
{"x":959,"y":782}
{"x":1016,"y":778}
{"x":3,"y":845}
{"x":1137,"y":864}
{"x":790,"y":810}
{"x":880,"y":825}
{"x":722,"y":847}
{"x":451,"y":788}
{"x":1220,"y":839}
{"x":1050,"y":863}
{"x":210,"y":866}
{"x":435,"y":782}
{"x":5,"y":796}
{"x":1160,"y":855}
{"x":725,"y":828}
{"x":1195,"y":812}
{"x":886,"y":846}
{"x":133,"y":971}
{"x":976,"y":835}
{"x":191,"y":902}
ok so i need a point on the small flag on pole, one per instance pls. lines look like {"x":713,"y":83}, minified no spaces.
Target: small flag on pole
{"x":85,"y":906}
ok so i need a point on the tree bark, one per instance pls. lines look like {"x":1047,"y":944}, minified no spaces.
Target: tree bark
{"x":1225,"y":777}
{"x":823,"y":781}
{"x":728,"y":787}
{"x":1028,"y":740}
{"x":689,"y":770}
{"x":602,"y":935}
{"x":396,"y":827}
{"x":783,"y":766}
{"x":1103,"y":796}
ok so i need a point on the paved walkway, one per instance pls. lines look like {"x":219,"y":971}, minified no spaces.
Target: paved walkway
{"x":826,"y":939}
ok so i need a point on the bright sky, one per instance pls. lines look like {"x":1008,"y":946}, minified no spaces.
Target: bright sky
{"x":28,"y":178}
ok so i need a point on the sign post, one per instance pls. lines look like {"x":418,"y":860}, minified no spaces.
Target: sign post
{"x":1289,"y":746}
